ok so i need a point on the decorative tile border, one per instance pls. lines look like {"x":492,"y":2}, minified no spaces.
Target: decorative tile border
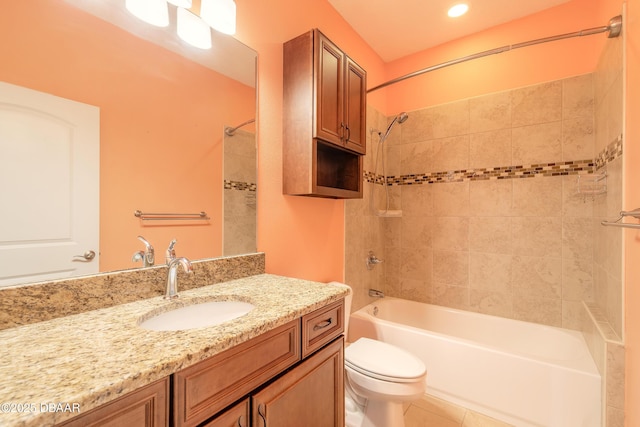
{"x":240,"y":186}
{"x":575,"y":167}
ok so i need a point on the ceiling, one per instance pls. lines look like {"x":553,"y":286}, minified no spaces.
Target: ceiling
{"x":397,"y":28}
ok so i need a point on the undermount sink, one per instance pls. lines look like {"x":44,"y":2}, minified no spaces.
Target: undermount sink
{"x":197,"y":315}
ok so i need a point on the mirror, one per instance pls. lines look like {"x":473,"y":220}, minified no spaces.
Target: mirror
{"x":164,"y":106}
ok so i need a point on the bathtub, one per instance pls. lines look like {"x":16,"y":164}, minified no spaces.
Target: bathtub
{"x":522,"y":373}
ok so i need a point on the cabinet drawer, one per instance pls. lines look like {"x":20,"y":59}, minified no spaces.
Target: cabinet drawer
{"x":146,"y":407}
{"x":322,"y":326}
{"x":236,"y":416}
{"x":206,"y":388}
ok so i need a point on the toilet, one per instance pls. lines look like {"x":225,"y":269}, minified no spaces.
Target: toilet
{"x":379,"y":378}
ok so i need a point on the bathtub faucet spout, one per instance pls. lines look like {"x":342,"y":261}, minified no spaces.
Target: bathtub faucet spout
{"x":376,"y":293}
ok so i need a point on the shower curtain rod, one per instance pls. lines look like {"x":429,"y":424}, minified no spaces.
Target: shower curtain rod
{"x":614,"y":28}
{"x":230,"y":131}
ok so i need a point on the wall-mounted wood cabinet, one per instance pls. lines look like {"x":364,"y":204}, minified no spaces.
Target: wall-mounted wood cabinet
{"x":324,"y":113}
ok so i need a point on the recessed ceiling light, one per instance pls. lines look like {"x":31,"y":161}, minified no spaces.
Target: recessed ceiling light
{"x":458,"y":10}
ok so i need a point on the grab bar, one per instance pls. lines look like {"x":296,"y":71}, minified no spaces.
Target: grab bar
{"x":148,"y":216}
{"x":634,"y":214}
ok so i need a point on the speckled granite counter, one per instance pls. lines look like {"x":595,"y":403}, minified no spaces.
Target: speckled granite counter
{"x":94,"y":357}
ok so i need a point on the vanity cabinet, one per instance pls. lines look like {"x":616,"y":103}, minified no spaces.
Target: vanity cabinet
{"x":275,"y":378}
{"x":324,"y":113}
{"x":292,"y":376}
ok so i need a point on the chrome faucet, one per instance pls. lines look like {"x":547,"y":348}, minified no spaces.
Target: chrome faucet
{"x":172,"y":277}
{"x":170,"y":254}
{"x":372,"y":260}
{"x":147,"y":256}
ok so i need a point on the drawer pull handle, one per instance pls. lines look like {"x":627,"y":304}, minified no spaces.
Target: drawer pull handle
{"x":262,"y":415}
{"x":240,"y":421}
{"x":322,"y":324}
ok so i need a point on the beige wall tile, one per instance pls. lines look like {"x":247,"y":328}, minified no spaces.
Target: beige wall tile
{"x":538,"y":310}
{"x":537,"y":104}
{"x":490,"y":272}
{"x":417,"y":200}
{"x":578,"y":139}
{"x":450,"y":296}
{"x":490,"y":112}
{"x":537,"y":236}
{"x":450,"y":233}
{"x":577,"y":280}
{"x":416,"y":232}
{"x":615,"y":375}
{"x":490,"y":234}
{"x":539,"y":277}
{"x":451,"y":267}
{"x":416,"y":264}
{"x":572,"y":314}
{"x":416,"y":290}
{"x":451,"y":199}
{"x":418,"y":127}
{"x":490,"y":149}
{"x":490,"y":197}
{"x":491,"y":302}
{"x":539,"y":143}
{"x":577,"y":96}
{"x":537,"y":196}
{"x":450,"y":119}
{"x":450,"y":154}
{"x":577,"y":238}
{"x":415,"y":158}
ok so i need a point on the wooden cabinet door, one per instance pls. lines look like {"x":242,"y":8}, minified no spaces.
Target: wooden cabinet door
{"x":237,"y":416}
{"x":311,"y":395}
{"x":355,"y":100}
{"x":329,"y":83}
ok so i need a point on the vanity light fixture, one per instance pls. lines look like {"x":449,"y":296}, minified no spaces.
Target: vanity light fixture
{"x":220,"y":14}
{"x":458,"y":10}
{"x":193,"y":30}
{"x":154,"y":12}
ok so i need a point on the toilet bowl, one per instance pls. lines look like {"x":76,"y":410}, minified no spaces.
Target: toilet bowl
{"x":379,"y":378}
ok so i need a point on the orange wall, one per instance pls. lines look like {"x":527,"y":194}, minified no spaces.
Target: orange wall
{"x":516,"y":68}
{"x":161,"y":121}
{"x":632,"y":201}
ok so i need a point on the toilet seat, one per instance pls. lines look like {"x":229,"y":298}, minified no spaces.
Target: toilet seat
{"x":383,"y":361}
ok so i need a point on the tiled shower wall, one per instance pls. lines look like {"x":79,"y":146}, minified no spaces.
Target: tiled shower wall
{"x":239,"y":193}
{"x":489,"y":222}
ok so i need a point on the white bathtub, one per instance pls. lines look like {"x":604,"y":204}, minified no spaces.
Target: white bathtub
{"x":521,"y":373}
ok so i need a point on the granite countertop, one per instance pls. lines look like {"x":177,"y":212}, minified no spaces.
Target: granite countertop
{"x":88,"y":359}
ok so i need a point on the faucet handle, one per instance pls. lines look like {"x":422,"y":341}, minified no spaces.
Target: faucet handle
{"x":149,"y":254}
{"x":170,"y":254}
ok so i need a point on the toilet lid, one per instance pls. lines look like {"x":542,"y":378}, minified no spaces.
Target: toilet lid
{"x":384,"y":361}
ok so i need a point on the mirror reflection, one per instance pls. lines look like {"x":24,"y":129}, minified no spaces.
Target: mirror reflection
{"x":163,"y":109}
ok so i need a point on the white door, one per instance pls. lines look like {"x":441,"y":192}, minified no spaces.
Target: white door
{"x":49,"y":186}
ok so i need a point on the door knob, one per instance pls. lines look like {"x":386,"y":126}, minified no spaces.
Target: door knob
{"x":86,"y":257}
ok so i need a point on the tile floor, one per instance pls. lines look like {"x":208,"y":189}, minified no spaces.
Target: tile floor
{"x":433,"y":412}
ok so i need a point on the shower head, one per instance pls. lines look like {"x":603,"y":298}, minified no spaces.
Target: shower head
{"x":400,"y":118}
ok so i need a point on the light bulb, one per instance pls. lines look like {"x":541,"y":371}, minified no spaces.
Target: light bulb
{"x":458,"y":10}
{"x":193,"y":30}
{"x":220,"y":14}
{"x":154,"y":12}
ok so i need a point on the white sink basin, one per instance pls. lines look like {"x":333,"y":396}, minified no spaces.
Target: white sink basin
{"x":197,"y":315}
